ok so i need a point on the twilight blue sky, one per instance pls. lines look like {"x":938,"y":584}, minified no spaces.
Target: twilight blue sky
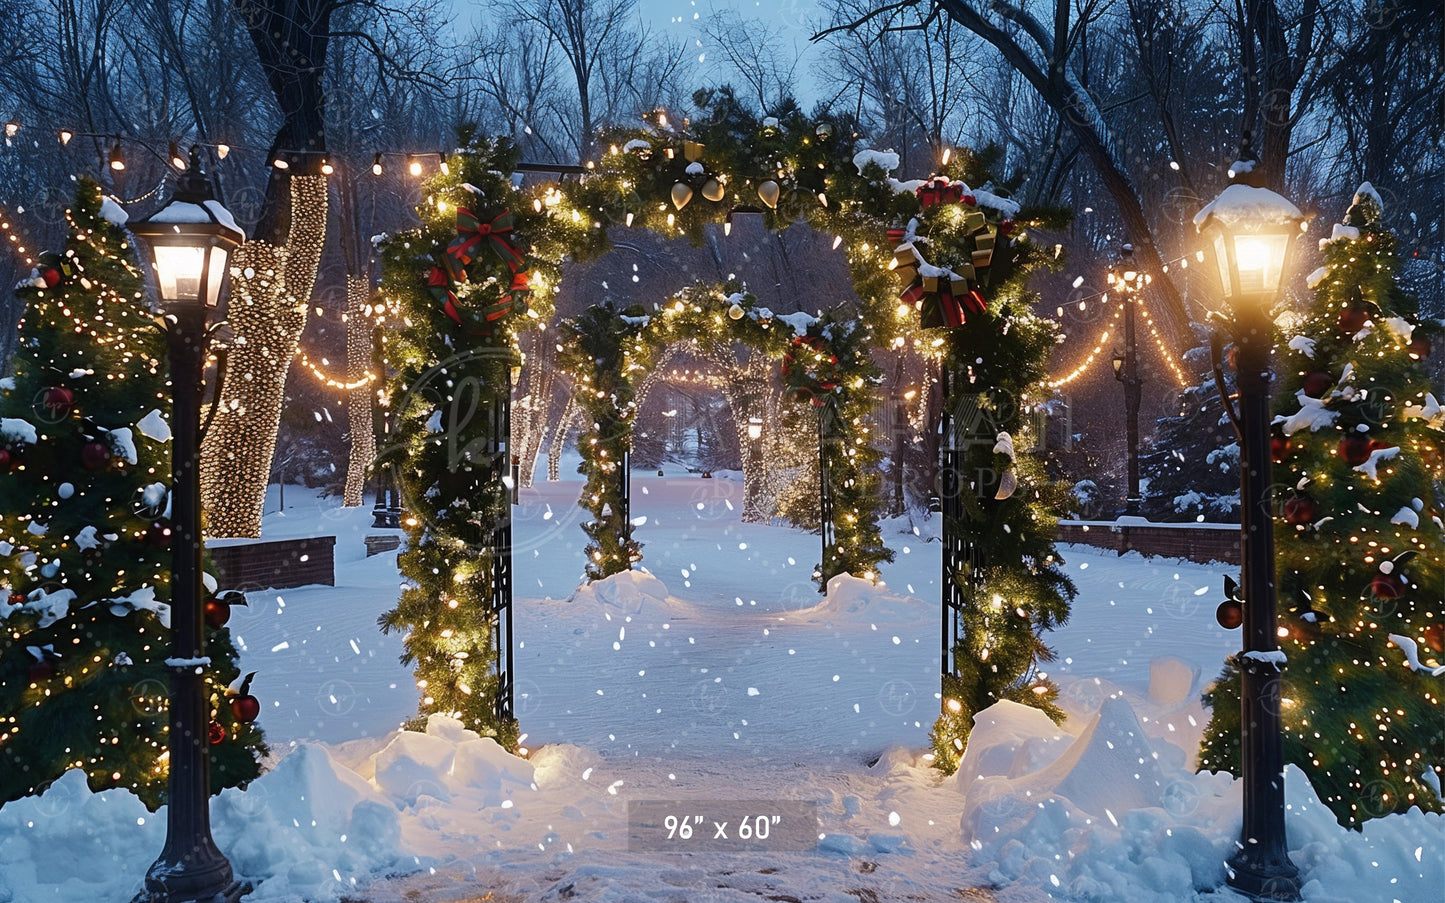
{"x":797,"y":20}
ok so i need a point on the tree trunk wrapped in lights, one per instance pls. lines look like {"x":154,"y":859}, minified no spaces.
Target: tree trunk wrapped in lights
{"x":558,"y":443}
{"x":359,"y":401}
{"x":532,"y":414}
{"x":1360,"y":542}
{"x":271,"y":287}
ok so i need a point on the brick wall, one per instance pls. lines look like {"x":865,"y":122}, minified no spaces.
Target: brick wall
{"x":275,"y":565}
{"x":1195,"y":542}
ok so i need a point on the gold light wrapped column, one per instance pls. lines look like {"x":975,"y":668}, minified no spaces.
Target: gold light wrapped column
{"x":271,"y":288}
{"x":359,"y":400}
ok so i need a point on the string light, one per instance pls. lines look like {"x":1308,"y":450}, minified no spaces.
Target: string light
{"x":1088,"y":361}
{"x":346,"y":385}
{"x":1159,"y":343}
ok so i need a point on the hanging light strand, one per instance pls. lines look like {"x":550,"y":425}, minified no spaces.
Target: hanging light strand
{"x":1088,"y":361}
{"x":366,"y":379}
{"x":1159,"y":342}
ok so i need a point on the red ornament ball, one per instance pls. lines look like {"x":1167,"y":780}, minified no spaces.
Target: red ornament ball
{"x":1355,"y":449}
{"x":1419,"y":348}
{"x":216,"y":733}
{"x":5,"y":460}
{"x":17,"y":598}
{"x":217,"y":614}
{"x":246,"y":708}
{"x":1352,"y":320}
{"x":1229,"y":614}
{"x":1435,"y":636}
{"x":1299,"y":509}
{"x":158,"y":535}
{"x":51,"y":276}
{"x":1317,"y":383}
{"x":95,"y":455}
{"x":1387,"y":586}
{"x":1278,"y":449}
{"x":58,"y":401}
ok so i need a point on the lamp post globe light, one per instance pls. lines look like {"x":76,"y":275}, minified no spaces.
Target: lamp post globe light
{"x":755,"y":428}
{"x":190,"y":240}
{"x":1126,"y":278}
{"x":1251,"y":229}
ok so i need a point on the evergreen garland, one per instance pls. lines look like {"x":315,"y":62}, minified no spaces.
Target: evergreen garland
{"x":84,"y":520}
{"x":1018,"y":589}
{"x":674,"y":181}
{"x":450,"y":365}
{"x":1359,"y":546}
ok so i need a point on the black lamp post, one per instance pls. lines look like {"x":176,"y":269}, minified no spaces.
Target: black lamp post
{"x":1251,"y":229}
{"x":190,"y":240}
{"x":386,"y":513}
{"x":1128,"y":280}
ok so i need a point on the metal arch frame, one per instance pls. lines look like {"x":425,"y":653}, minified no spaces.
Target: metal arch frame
{"x":500,"y":547}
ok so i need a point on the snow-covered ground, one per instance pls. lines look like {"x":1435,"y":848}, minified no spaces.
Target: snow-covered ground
{"x":720,"y":675}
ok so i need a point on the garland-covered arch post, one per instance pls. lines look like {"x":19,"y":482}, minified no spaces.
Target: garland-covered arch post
{"x":479,"y":270}
{"x":826,"y":441}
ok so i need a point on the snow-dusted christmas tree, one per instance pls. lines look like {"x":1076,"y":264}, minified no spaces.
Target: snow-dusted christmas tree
{"x":1360,"y":544}
{"x":1191,"y":470}
{"x":84,"y":533}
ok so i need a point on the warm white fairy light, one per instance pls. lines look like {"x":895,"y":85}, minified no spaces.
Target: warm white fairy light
{"x":267,"y":281}
{"x":1159,"y":342}
{"x":1088,"y":361}
{"x":345,"y":385}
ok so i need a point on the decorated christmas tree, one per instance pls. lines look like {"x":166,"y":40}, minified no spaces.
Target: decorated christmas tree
{"x":84,"y":534}
{"x":1359,"y":547}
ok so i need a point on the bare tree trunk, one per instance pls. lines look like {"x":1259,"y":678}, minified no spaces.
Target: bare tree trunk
{"x":269,"y":295}
{"x":291,"y":38}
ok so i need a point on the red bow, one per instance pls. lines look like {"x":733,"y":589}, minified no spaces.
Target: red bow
{"x":472,"y":232}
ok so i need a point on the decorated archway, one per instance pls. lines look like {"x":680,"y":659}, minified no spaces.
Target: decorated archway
{"x":824,"y":363}
{"x":926,"y":258}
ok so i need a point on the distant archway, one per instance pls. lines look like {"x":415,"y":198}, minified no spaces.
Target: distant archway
{"x":615,"y":357}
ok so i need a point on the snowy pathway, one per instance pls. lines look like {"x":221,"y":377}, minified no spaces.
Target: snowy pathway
{"x":721,"y":675}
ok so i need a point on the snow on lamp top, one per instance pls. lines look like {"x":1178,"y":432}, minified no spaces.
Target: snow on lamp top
{"x":1245,"y":205}
{"x":208,"y":211}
